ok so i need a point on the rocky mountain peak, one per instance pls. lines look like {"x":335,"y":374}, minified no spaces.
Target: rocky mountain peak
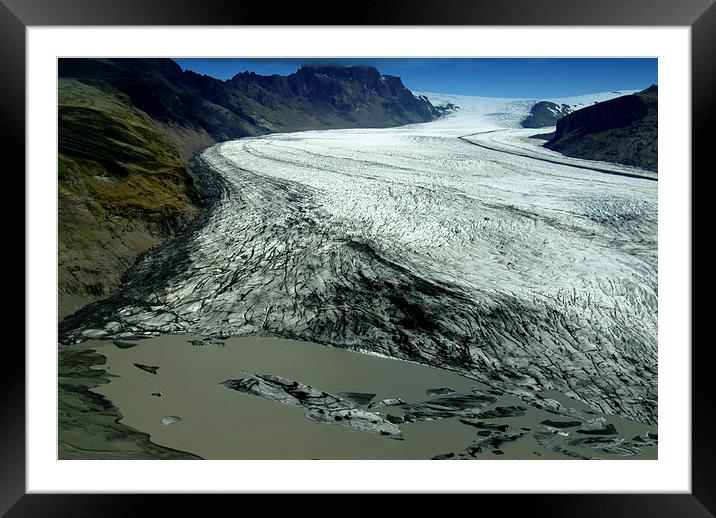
{"x":545,"y":113}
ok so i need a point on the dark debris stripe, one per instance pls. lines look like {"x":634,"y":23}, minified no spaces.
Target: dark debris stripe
{"x":524,"y":155}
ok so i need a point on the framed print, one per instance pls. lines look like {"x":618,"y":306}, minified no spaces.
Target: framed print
{"x":339,"y":256}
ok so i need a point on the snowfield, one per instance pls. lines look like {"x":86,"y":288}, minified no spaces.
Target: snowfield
{"x":485,"y":254}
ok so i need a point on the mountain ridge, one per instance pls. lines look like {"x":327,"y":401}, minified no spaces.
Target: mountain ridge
{"x":313,"y":97}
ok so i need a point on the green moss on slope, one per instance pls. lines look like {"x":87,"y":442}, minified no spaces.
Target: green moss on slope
{"x":122,"y":190}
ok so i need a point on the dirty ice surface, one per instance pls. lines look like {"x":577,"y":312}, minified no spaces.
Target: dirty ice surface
{"x":524,"y":274}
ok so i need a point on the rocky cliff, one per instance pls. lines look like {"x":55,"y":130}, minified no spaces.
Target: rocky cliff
{"x":622,"y":130}
{"x":328,"y":97}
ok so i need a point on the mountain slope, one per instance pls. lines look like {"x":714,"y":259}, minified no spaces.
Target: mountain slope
{"x":328,"y":97}
{"x":122,"y":189}
{"x":621,"y":130}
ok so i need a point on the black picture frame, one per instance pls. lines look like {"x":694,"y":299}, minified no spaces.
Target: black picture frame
{"x":17,"y":15}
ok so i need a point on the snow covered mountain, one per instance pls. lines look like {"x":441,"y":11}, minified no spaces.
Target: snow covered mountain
{"x":509,"y":113}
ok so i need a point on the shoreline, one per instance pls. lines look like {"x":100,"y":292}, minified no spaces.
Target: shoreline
{"x":224,"y":431}
{"x":89,"y":425}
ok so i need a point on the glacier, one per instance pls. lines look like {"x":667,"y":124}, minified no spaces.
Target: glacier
{"x":459,"y":243}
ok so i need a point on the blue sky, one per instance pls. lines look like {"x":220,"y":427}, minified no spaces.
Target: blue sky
{"x":492,"y":77}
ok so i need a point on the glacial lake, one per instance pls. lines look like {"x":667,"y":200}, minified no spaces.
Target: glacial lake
{"x":220,"y":423}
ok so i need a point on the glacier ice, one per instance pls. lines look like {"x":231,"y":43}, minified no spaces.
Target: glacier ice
{"x":414,"y":243}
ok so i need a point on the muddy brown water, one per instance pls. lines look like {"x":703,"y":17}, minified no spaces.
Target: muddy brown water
{"x":220,"y":423}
